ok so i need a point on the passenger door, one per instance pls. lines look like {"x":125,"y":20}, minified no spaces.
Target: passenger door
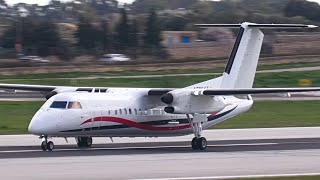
{"x":96,"y":118}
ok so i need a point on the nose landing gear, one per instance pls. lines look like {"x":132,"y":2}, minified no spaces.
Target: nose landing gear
{"x":45,"y":145}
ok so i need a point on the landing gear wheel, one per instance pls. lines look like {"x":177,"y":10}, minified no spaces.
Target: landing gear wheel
{"x":44,"y":146}
{"x":50,"y":146}
{"x":84,"y":142}
{"x":202,"y":143}
{"x":194,"y":143}
{"x":89,"y":142}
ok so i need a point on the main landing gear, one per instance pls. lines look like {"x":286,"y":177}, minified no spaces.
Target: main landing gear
{"x":45,"y":145}
{"x":198,"y":142}
{"x":84,"y":142}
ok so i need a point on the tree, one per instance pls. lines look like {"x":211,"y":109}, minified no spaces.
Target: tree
{"x":104,"y":7}
{"x":3,"y":3}
{"x":40,"y":38}
{"x":143,"y":6}
{"x":175,"y":4}
{"x":133,"y":35}
{"x":46,"y":39}
{"x":174,"y":23}
{"x":309,"y":10}
{"x":8,"y":39}
{"x":122,"y":31}
{"x":87,"y":35}
{"x":153,"y":30}
{"x":105,"y":36}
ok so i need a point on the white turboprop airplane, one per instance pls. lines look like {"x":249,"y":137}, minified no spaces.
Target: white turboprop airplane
{"x":84,"y":113}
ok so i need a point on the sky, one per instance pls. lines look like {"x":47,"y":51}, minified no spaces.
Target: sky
{"x":43,"y":2}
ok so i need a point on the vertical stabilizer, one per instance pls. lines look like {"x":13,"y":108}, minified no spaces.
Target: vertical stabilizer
{"x":242,"y":65}
{"x":241,"y":68}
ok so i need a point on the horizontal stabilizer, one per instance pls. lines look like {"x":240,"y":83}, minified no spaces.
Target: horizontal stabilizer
{"x":262,"y":26}
{"x":229,"y":92}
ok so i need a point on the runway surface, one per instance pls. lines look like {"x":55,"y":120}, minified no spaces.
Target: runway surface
{"x":294,"y":151}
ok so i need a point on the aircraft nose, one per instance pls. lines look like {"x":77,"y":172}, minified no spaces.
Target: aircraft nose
{"x":35,"y":128}
{"x":43,"y":123}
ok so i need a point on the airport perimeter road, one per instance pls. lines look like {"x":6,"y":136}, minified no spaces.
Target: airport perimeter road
{"x":235,"y":153}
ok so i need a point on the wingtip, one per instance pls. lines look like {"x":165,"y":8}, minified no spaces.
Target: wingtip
{"x":312,"y":26}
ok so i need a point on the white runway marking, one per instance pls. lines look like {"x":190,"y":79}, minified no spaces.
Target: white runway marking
{"x":235,"y":177}
{"x":136,"y":147}
{"x":211,"y":135}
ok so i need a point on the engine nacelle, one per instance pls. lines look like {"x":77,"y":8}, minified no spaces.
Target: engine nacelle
{"x":59,"y":90}
{"x":185,"y":102}
{"x":50,"y":94}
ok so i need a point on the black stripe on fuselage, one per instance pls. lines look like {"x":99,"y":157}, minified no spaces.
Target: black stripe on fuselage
{"x":221,"y":115}
{"x":234,"y":51}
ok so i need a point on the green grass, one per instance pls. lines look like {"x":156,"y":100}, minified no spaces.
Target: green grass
{"x":284,"y":79}
{"x":153,"y":72}
{"x":285,"y":178}
{"x":111,"y":73}
{"x":288,"y":65}
{"x":15,"y":116}
{"x":268,"y":114}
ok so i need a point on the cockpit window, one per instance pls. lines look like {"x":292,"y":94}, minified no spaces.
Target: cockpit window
{"x":74,"y":105}
{"x":59,"y":104}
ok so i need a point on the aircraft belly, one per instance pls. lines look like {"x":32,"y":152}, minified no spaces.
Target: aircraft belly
{"x":126,"y":132}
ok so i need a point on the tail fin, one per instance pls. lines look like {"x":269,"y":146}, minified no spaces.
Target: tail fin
{"x":241,"y":68}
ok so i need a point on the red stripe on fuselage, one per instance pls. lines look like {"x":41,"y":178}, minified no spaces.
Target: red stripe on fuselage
{"x":135,"y":124}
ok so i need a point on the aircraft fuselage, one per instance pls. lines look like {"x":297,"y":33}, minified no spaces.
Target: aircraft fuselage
{"x":119,"y":113}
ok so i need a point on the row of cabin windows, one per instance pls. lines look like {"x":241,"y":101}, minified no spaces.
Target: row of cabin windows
{"x":134,"y":112}
{"x":125,"y":112}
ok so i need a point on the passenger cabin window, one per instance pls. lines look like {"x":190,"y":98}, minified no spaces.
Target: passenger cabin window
{"x":59,"y":104}
{"x":130,"y":112}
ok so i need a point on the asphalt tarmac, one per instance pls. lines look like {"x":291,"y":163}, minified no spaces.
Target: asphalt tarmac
{"x":222,"y":159}
{"x":161,"y":148}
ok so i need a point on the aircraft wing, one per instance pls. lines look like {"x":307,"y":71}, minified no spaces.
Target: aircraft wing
{"x":25,"y":87}
{"x":246,"y":91}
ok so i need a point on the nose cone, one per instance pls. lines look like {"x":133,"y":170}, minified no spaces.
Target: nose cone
{"x":42,"y":124}
{"x":35,"y":127}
